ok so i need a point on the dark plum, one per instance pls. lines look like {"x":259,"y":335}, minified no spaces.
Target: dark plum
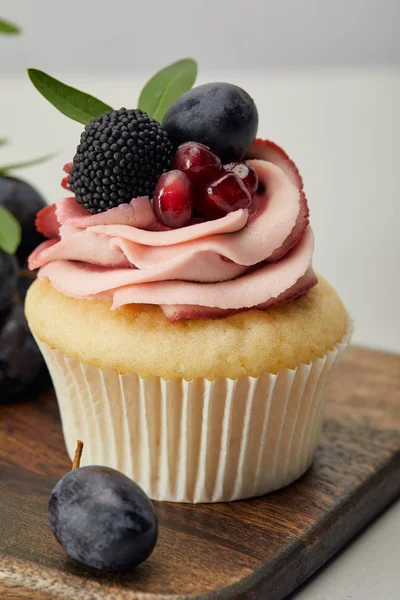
{"x":220,"y":115}
{"x":103,"y":519}
{"x":23,"y":201}
{"x":8,"y":279}
{"x":20,"y":359}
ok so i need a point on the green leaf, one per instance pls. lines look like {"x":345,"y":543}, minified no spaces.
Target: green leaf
{"x":26,"y":163}
{"x":10,"y":231}
{"x":9,"y":28}
{"x":166,"y":86}
{"x":74,"y":104}
{"x":3,"y":141}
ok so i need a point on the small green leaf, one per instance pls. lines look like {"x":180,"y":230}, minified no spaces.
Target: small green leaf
{"x":3,"y":141}
{"x":74,"y":104}
{"x":10,"y":231}
{"x":166,"y":86}
{"x":9,"y":28}
{"x":26,"y":163}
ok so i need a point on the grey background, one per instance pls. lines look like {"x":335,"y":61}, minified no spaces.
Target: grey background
{"x":132,"y":35}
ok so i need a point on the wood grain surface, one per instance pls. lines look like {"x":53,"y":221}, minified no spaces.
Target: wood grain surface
{"x":248,"y":550}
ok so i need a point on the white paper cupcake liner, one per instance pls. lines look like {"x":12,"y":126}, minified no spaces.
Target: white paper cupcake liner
{"x":195,"y":441}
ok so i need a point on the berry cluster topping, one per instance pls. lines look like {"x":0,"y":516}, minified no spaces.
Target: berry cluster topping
{"x":121,"y":156}
{"x":200,"y":184}
{"x":191,"y":165}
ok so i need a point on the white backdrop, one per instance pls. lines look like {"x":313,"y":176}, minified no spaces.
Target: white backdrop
{"x":342,"y":127}
{"x":130,"y":35}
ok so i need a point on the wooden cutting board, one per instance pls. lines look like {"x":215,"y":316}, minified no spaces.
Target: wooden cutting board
{"x":248,"y":550}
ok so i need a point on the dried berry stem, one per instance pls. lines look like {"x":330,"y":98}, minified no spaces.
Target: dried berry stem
{"x":78,"y":453}
{"x":27,"y":273}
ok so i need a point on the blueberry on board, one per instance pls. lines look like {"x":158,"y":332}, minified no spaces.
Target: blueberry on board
{"x":21,"y":361}
{"x":102,"y":518}
{"x":8,"y":279}
{"x":220,"y":115}
{"x":23,"y":201}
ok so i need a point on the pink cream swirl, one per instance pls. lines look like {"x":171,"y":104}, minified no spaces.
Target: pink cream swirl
{"x":248,"y":259}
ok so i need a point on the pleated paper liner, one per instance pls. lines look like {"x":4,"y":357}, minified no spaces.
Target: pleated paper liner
{"x":195,"y":441}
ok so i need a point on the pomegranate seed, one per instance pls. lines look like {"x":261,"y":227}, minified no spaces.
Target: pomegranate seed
{"x":197,"y":162}
{"x":65,"y":182}
{"x":246,"y":173}
{"x":173,"y":199}
{"x":226,"y":194}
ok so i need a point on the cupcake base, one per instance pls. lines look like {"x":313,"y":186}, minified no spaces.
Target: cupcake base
{"x":200,"y":440}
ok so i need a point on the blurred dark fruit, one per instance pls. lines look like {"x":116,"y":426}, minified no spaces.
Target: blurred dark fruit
{"x":23,"y":201}
{"x":8,"y":279}
{"x":25,"y":280}
{"x":102,"y":518}
{"x":20,"y":359}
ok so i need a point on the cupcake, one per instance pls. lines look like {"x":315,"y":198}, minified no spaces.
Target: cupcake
{"x":190,"y":342}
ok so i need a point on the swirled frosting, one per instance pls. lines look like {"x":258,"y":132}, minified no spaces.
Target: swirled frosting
{"x":252,"y":258}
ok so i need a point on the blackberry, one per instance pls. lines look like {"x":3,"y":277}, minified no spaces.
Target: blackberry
{"x":121,"y":156}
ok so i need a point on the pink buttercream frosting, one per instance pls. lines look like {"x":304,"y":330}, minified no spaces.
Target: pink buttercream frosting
{"x":252,"y":258}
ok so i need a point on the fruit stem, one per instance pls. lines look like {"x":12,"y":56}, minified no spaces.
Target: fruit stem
{"x":27,"y":273}
{"x":78,"y":453}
